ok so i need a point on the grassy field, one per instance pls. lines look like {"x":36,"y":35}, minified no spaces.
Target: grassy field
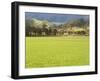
{"x":57,"y":51}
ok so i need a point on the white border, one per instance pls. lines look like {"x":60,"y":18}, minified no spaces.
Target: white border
{"x":70,"y":69}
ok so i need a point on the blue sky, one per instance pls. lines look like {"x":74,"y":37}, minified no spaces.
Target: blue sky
{"x":54,"y":17}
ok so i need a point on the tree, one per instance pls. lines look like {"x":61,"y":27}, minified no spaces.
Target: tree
{"x":28,"y":27}
{"x":54,"y":31}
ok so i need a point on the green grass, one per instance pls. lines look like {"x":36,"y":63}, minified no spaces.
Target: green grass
{"x":57,"y":51}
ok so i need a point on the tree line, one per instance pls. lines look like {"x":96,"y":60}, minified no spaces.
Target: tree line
{"x":36,"y":27}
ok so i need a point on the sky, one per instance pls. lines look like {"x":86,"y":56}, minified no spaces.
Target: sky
{"x":54,"y":17}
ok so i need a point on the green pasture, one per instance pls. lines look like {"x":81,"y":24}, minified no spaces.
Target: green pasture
{"x":57,"y":51}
